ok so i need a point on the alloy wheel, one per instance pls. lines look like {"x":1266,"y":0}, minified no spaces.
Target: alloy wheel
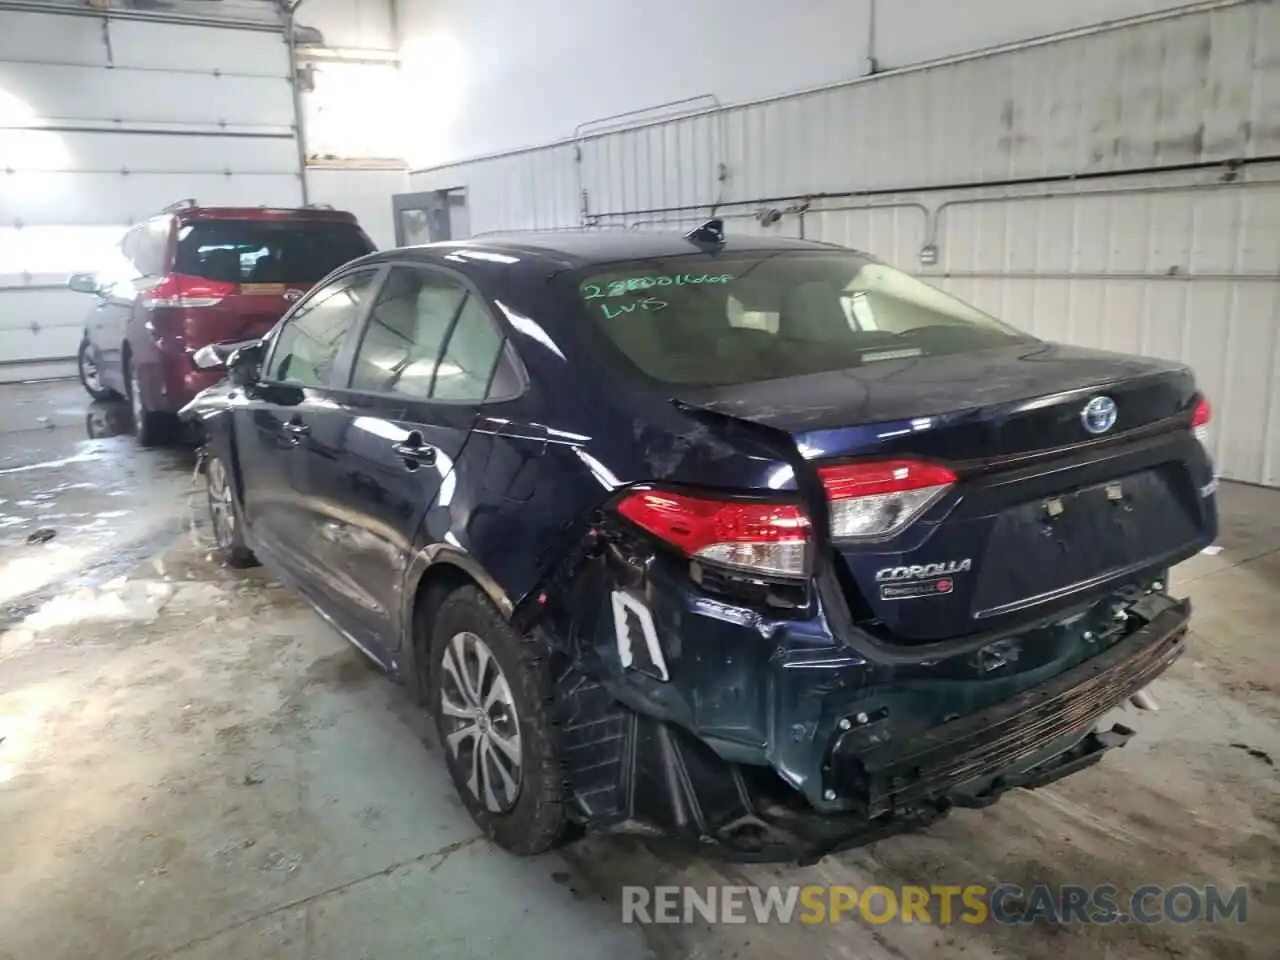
{"x":482,"y":724}
{"x":89,"y":372}
{"x":222,"y":512}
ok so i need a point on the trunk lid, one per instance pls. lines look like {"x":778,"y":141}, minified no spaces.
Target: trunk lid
{"x":1005,"y":402}
{"x":245,"y":313}
{"x":1048,"y":504}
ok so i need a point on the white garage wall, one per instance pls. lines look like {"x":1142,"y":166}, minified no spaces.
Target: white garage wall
{"x":1189,"y":101}
{"x":507,"y":73}
{"x":102,"y":123}
{"x":353,"y":110}
{"x":1182,"y":266}
{"x":365,"y":192}
{"x":352,"y":24}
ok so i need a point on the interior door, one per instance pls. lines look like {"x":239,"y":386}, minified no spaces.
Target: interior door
{"x":419,"y":375}
{"x":421,"y":218}
{"x":273,"y":429}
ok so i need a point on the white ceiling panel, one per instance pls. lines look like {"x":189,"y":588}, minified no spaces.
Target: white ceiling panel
{"x":30,"y":151}
{"x":100,"y":198}
{"x":38,"y":94}
{"x":39,"y":37}
{"x":183,"y":47}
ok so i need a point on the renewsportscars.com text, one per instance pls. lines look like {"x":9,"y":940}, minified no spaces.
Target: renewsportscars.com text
{"x":938,"y":905}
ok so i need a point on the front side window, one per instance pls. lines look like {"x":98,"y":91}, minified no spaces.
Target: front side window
{"x":723,"y":319}
{"x":116,"y":274}
{"x":307,"y":346}
{"x":427,"y":338}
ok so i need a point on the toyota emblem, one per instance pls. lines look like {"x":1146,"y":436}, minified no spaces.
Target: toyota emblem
{"x":1099,"y":415}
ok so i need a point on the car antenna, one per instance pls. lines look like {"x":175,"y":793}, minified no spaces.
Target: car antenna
{"x":709,"y":232}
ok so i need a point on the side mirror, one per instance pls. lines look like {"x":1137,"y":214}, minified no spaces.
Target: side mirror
{"x":217,"y":356}
{"x":244,"y":365}
{"x":209,"y":358}
{"x":83,"y":283}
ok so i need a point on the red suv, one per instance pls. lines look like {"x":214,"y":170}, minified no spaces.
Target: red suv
{"x":195,"y":275}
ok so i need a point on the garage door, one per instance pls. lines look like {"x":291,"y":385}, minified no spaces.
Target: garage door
{"x":102,"y":123}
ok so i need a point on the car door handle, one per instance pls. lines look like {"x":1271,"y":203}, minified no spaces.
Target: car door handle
{"x":414,"y":452}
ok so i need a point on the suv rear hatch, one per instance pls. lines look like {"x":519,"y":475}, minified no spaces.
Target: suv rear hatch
{"x":234,"y":275}
{"x":966,"y":494}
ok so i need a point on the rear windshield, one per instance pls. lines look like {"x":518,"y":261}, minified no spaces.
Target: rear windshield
{"x":724,"y":319}
{"x":265,"y":251}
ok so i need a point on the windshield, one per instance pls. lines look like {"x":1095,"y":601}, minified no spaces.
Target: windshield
{"x":264,"y":251}
{"x":713,"y":320}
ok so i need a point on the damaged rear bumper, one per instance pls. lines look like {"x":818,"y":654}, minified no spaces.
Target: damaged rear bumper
{"x":973,"y":757}
{"x":843,"y":765}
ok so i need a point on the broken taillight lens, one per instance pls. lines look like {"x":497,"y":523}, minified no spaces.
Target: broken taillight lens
{"x":878,"y":499}
{"x":771,"y":539}
{"x":1200,"y":420}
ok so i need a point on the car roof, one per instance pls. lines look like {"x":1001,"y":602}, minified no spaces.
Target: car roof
{"x":574,"y":248}
{"x":326,"y":214}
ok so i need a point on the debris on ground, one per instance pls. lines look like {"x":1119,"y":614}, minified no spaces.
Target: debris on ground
{"x":1255,"y":753}
{"x":43,"y":535}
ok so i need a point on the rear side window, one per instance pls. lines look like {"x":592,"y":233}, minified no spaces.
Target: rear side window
{"x":427,"y":338}
{"x":724,"y":319}
{"x":468,"y":361}
{"x":153,"y":247}
{"x":406,"y":331}
{"x":129,"y":248}
{"x":308,"y":344}
{"x":267,"y":251}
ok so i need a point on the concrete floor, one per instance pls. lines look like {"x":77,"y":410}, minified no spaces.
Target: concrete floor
{"x":193,"y":765}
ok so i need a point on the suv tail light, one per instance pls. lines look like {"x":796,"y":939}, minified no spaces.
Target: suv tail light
{"x":771,"y":539}
{"x":179,"y":290}
{"x":877,"y":500}
{"x":1200,"y":420}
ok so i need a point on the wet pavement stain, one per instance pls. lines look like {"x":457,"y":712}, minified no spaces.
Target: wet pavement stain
{"x":347,"y":668}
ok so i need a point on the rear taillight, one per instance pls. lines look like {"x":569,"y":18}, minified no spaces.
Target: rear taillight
{"x":771,"y":539}
{"x":179,"y":290}
{"x":875,"y":500}
{"x":1200,"y":420}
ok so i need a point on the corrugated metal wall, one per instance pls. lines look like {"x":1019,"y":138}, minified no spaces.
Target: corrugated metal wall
{"x":1169,"y":246}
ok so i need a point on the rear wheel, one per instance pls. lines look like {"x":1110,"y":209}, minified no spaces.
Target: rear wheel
{"x":90,"y":375}
{"x":491,"y":696}
{"x":224,"y":515}
{"x":151,"y":428}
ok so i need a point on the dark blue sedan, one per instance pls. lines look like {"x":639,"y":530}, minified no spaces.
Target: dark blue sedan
{"x":755,"y":543}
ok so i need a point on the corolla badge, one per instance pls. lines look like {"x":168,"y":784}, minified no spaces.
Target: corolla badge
{"x":1099,"y":415}
{"x":292,"y":295}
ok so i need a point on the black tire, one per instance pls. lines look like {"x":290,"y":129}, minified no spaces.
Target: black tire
{"x":152,"y":429}
{"x":224,"y":515}
{"x":535,"y":820}
{"x":87,"y":369}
